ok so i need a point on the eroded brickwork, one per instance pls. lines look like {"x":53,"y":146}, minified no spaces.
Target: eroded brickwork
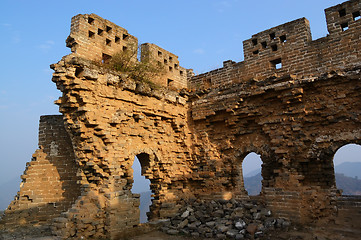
{"x":294,"y":101}
{"x":49,"y":183}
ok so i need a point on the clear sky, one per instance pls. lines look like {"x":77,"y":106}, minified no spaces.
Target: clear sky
{"x":203,"y":33}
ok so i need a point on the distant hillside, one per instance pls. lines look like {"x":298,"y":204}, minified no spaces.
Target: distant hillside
{"x":253,"y":184}
{"x":8,"y":191}
{"x":349,"y":185}
{"x":145,"y":202}
{"x":350,"y":169}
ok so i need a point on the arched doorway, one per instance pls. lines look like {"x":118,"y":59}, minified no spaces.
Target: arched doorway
{"x":141,"y":185}
{"x":251,"y":170}
{"x":347,"y":166}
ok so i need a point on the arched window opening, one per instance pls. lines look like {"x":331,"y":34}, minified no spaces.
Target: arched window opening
{"x":141,"y":185}
{"x":347,"y":165}
{"x":252,"y":177}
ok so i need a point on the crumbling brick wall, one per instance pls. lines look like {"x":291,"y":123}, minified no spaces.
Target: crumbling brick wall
{"x":111,"y":119}
{"x":191,"y":143}
{"x":49,"y":184}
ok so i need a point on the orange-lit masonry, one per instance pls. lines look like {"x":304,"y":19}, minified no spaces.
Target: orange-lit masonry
{"x":292,"y":100}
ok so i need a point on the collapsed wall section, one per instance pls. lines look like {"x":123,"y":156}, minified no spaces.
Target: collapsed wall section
{"x":49,"y":183}
{"x":111,"y":119}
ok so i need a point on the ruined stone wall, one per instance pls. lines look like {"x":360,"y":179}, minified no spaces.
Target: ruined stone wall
{"x":49,"y":183}
{"x":111,"y":119}
{"x":289,"y":49}
{"x":296,"y":125}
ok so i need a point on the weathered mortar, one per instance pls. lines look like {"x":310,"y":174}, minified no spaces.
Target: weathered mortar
{"x":191,"y":144}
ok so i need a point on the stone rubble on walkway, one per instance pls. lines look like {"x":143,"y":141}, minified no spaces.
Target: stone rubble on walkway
{"x":222,"y":219}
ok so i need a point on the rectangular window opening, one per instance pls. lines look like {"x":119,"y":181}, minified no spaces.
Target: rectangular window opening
{"x":125,"y":48}
{"x":100,"y":32}
{"x":91,"y":34}
{"x":272,"y":36}
{"x":181,"y":72}
{"x":277,"y":63}
{"x":125,"y":36}
{"x":255,"y":52}
{"x":342,"y":12}
{"x":170,"y":59}
{"x":159,"y":54}
{"x":170,"y":82}
{"x":106,"y":58}
{"x":283,"y":38}
{"x":254,"y":41}
{"x":264,"y":44}
{"x":176,"y":66}
{"x":90,"y":20}
{"x":117,"y":39}
{"x":108,"y":29}
{"x":344,"y":26}
{"x":108,"y":42}
{"x":170,"y":69}
{"x":356,"y":16}
{"x":165,"y":61}
{"x":274,"y":47}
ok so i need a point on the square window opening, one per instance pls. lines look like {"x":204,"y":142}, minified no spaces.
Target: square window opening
{"x":125,"y":36}
{"x":125,"y":48}
{"x":170,"y":59}
{"x":91,"y":34}
{"x":255,"y":52}
{"x":170,"y":69}
{"x":344,"y":26}
{"x":165,"y":61}
{"x":90,"y":20}
{"x":108,"y":29}
{"x":277,"y":63}
{"x":283,"y":38}
{"x":170,"y":82}
{"x":181,"y":72}
{"x":106,"y":58}
{"x":264,"y":44}
{"x":117,"y":39}
{"x":100,"y":32}
{"x":108,"y":42}
{"x":274,"y":47}
{"x":176,"y":66}
{"x":159,"y":54}
{"x":342,"y":12}
{"x":254,"y":41}
{"x":272,"y":36}
{"x":356,"y":16}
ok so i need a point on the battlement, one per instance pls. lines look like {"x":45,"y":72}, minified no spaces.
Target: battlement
{"x":175,"y":75}
{"x":97,"y":39}
{"x":343,"y":16}
{"x":289,"y":49}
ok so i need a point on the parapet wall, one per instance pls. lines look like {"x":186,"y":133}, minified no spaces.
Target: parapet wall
{"x":97,"y":39}
{"x":289,"y":49}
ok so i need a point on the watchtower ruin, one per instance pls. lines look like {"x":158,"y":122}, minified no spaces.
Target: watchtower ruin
{"x":293,"y":100}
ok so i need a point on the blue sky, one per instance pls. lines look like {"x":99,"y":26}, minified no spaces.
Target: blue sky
{"x":203,"y":33}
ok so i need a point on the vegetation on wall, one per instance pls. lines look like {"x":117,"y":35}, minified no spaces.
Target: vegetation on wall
{"x":126,"y":62}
